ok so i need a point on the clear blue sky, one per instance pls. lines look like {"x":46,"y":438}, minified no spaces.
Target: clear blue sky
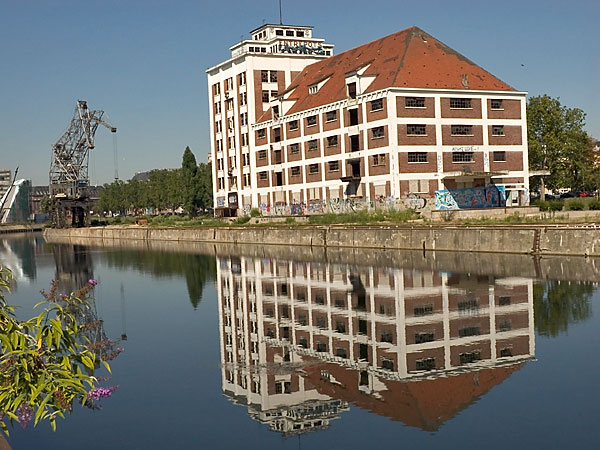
{"x":144,"y":63}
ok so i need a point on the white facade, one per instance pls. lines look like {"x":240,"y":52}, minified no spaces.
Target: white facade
{"x":235,"y":100}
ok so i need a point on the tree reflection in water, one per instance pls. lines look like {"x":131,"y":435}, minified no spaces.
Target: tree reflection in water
{"x":556,"y":304}
{"x":196,"y":269}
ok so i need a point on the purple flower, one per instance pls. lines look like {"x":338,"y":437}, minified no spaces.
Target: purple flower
{"x":63,"y":295}
{"x":93,"y":282}
{"x":24,"y":414}
{"x":102,"y":392}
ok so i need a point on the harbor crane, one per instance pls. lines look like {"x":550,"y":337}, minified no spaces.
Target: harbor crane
{"x":69,"y":180}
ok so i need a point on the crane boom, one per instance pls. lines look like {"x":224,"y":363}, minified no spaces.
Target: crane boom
{"x":69,"y":180}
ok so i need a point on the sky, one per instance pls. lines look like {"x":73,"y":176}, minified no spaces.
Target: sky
{"x":144,"y":63}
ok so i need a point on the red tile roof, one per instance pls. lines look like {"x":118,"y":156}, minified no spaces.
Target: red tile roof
{"x":409,"y":58}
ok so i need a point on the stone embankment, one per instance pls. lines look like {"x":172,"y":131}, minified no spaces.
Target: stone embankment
{"x":9,"y":229}
{"x":518,"y":239}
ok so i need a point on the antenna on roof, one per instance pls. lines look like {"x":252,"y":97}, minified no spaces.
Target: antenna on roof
{"x":280,"y":17}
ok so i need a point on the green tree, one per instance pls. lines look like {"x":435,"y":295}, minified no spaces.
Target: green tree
{"x":205,"y":189}
{"x":558,"y":143}
{"x":189,"y":172}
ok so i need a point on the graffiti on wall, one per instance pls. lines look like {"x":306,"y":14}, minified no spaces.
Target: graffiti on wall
{"x":477,"y":197}
{"x":413,"y":201}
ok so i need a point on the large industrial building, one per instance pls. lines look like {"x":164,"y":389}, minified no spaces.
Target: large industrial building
{"x":403,"y":121}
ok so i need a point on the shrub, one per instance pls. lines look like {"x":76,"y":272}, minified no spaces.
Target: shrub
{"x":555,"y":205}
{"x":241,"y":220}
{"x":255,"y":212}
{"x":594,"y":205}
{"x":543,"y":204}
{"x":575,"y":205}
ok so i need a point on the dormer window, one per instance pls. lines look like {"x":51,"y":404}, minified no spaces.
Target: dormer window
{"x":351,"y":90}
{"x":313,"y":89}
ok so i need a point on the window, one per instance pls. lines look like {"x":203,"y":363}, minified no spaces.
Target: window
{"x":376,"y":105}
{"x":334,"y":166}
{"x":321,"y":347}
{"x":331,"y":116}
{"x":261,"y":133}
{"x":467,"y":358}
{"x":229,"y":84}
{"x":353,"y":116}
{"x":387,"y":364}
{"x":387,"y":336}
{"x":459,"y":157}
{"x":293,"y":125}
{"x":469,"y":331}
{"x":262,"y":154}
{"x":242,"y":78}
{"x":504,"y":300}
{"x":264,"y":76}
{"x":313,"y":89}
{"x":499,"y":156}
{"x":246,"y":180}
{"x":217,"y":108}
{"x":218,"y":127}
{"x":275,"y":112}
{"x":243,"y":99}
{"x":496,"y":103}
{"x":273,"y":94}
{"x":244,"y":139}
{"x":332,"y":141}
{"x":416,"y":130}
{"x":497,"y":130}
{"x":294,"y":148}
{"x":504,"y":325}
{"x":460,"y":103}
{"x":229,"y":104}
{"x":505,"y":352}
{"x":217,"y":88}
{"x":219,"y":145}
{"x":378,"y":132}
{"x":422,"y":337}
{"x":220,"y":164}
{"x":461,"y":130}
{"x":351,"y":90}
{"x":414,"y":102}
{"x":245,"y":159}
{"x":299,"y":33}
{"x":417,"y":157}
{"x":296,"y":171}
{"x":313,"y":168}
{"x":379,"y":160}
{"x":289,"y":32}
{"x":311,"y":120}
{"x":354,"y":143}
{"x":301,"y":296}
{"x":263,"y":176}
{"x":244,"y":119}
{"x":278,"y":32}
{"x":273,"y":76}
{"x":313,"y":145}
{"x":265,"y":96}
{"x":341,"y":352}
{"x":418,"y":186}
{"x":425,"y":364}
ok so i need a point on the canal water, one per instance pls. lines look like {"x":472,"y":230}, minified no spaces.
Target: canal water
{"x":258,"y":347}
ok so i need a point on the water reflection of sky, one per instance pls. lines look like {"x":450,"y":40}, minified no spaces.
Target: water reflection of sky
{"x":221,"y":355}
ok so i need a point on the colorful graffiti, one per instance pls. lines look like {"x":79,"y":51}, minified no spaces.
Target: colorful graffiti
{"x":477,"y":197}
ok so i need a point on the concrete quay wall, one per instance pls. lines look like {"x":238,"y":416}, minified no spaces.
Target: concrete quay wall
{"x":543,"y":240}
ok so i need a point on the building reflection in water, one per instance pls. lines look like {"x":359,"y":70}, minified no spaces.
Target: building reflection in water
{"x":302,"y":341}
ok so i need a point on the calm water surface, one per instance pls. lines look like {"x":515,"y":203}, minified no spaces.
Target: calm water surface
{"x":286,"y":350}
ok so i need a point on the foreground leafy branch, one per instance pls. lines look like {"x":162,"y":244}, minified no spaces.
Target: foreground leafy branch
{"x":47,"y":363}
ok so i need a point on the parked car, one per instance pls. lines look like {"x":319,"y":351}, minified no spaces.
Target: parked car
{"x":585,"y":194}
{"x":569,"y":194}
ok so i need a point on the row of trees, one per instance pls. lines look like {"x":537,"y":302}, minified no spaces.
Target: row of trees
{"x":189,"y":187}
{"x":558,"y":143}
